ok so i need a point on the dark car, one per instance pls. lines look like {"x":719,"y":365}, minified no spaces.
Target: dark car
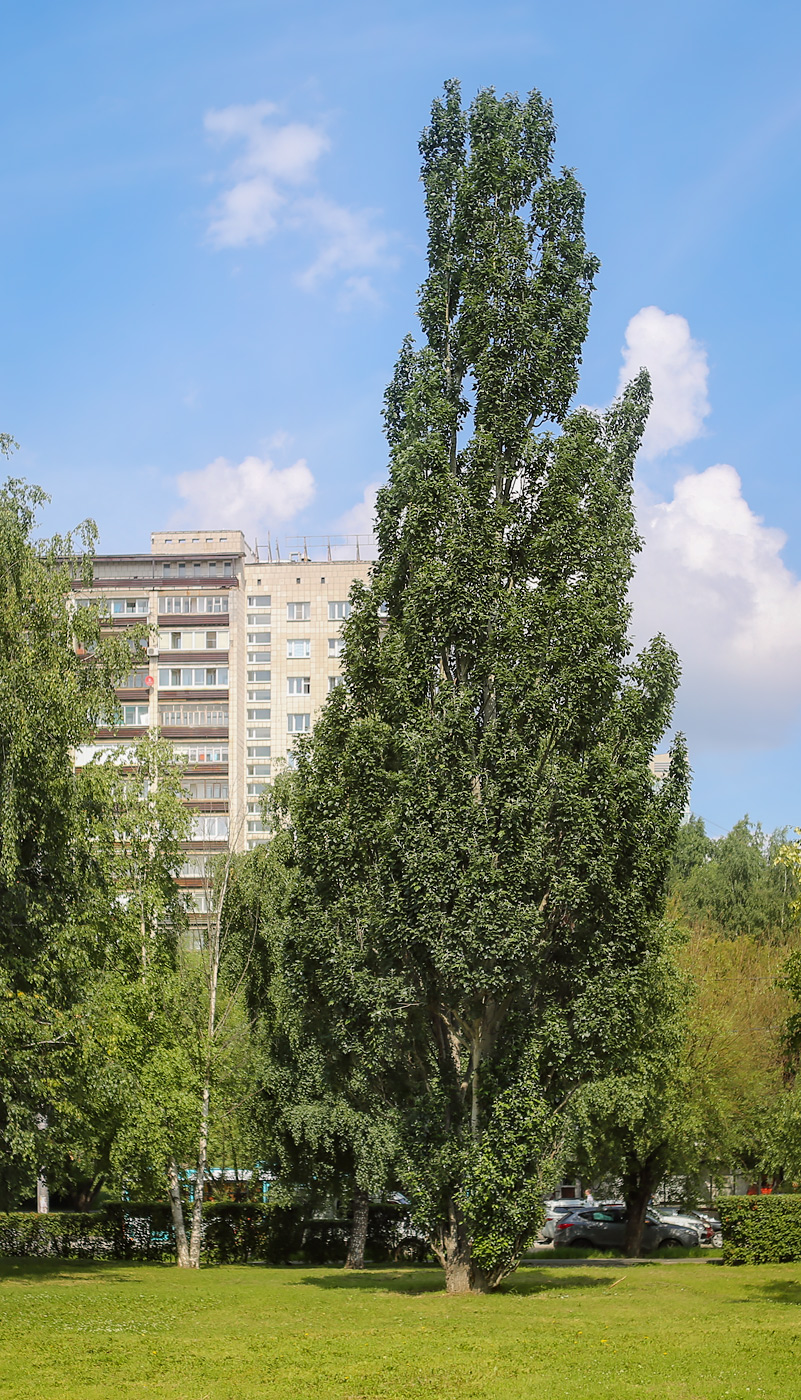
{"x":604,"y":1227}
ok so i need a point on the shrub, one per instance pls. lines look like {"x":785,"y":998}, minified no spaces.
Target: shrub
{"x":235,"y":1232}
{"x":761,"y":1229}
{"x":65,"y":1235}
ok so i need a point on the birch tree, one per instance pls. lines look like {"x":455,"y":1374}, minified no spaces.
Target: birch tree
{"x":57,"y":675}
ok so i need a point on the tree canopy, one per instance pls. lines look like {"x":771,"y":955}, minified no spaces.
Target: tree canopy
{"x":479,"y":851}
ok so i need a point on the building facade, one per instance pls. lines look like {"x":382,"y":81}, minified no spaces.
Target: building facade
{"x":242,"y":653}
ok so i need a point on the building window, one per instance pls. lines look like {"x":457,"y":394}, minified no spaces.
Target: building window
{"x":259,"y":639}
{"x":166,"y":569}
{"x":202,"y":753}
{"x":259,"y":619}
{"x":334,"y":682}
{"x":259,"y":694}
{"x":298,"y":724}
{"x":337,"y":611}
{"x":192,"y":604}
{"x":257,"y":712}
{"x":258,"y":677}
{"x":298,"y":685}
{"x":212,"y":569}
{"x":182,"y":717}
{"x":261,"y":600}
{"x":134,"y":681}
{"x":336,"y":646}
{"x":194,"y":641}
{"x":203,"y":790}
{"x":256,"y":789}
{"x":227,"y":566}
{"x":192,"y":677}
{"x":135,"y":716}
{"x":209,"y":828}
{"x":298,"y":648}
{"x":298,"y":612}
{"x":129,"y":607}
{"x":259,"y":750}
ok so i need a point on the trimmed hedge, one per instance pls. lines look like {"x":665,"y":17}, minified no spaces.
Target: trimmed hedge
{"x":760,"y":1229}
{"x":65,"y":1235}
{"x":326,"y":1241}
{"x":233,"y":1233}
{"x":237,"y":1232}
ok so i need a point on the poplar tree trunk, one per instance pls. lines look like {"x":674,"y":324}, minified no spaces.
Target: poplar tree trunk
{"x":638,"y":1187}
{"x":176,"y":1207}
{"x":462,"y":1275}
{"x":358,"y":1234}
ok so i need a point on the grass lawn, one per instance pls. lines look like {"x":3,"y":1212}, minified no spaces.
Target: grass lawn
{"x":691,"y":1330}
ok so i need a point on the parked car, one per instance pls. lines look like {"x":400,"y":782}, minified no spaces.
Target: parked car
{"x":678,"y":1216}
{"x":712,"y":1218}
{"x":604,"y":1227}
{"x":554,"y":1212}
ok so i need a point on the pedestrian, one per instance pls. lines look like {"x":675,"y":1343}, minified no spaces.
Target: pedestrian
{"x":589,"y":1199}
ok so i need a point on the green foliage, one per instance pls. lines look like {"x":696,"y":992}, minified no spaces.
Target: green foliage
{"x":474,"y":850}
{"x":760,"y":1229}
{"x":66,"y":1235}
{"x":236,"y":1233}
{"x":738,"y":884}
{"x":388,"y":1237}
{"x":57,"y":675}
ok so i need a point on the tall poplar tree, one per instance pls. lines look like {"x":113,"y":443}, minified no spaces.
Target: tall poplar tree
{"x":480,"y":850}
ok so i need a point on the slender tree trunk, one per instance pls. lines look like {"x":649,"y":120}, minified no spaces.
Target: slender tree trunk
{"x":215,"y":943}
{"x":176,"y":1207}
{"x":358,"y":1234}
{"x":196,"y":1236}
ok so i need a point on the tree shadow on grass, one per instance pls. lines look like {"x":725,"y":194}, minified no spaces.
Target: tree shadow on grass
{"x":778,"y":1290}
{"x":415,"y":1282}
{"x":74,"y":1270}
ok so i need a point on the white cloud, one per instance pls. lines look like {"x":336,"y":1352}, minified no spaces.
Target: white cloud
{"x":679,"y":371}
{"x":265,"y":193}
{"x":251,"y":496}
{"x":360,"y":520}
{"x":711,"y":577}
{"x":351,"y":242}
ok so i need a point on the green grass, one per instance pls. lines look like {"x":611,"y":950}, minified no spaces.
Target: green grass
{"x":693,"y":1331}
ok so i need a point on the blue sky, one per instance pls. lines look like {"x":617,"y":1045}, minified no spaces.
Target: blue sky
{"x":211,"y":235}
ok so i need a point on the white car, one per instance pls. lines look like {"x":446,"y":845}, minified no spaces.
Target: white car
{"x":554,"y":1212}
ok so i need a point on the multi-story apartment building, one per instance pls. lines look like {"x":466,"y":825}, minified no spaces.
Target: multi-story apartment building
{"x":242,"y":653}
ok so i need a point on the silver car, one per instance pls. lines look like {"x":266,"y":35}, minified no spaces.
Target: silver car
{"x":674,"y":1215}
{"x":604,"y":1227}
{"x":554,"y":1212}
